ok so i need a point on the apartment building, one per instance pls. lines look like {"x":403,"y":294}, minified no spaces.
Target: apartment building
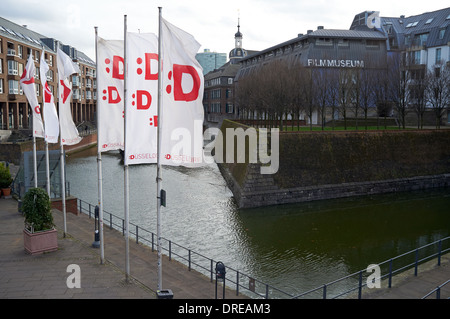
{"x":17,"y":43}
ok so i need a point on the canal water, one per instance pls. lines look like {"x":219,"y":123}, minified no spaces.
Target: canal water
{"x":292,"y":247}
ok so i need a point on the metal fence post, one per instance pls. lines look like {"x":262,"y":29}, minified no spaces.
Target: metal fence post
{"x":390,"y":273}
{"x":189,"y":260}
{"x":237,"y":283}
{"x":360,"y":284}
{"x":137,"y":234}
{"x":324,"y":293}
{"x":416,"y":262}
{"x":211,"y":270}
{"x":439,"y":253}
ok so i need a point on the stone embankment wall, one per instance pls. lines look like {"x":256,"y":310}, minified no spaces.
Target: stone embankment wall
{"x":12,"y":151}
{"x":325,"y":165}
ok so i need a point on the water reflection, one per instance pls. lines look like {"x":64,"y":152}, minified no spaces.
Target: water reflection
{"x":330,"y":239}
{"x":293,"y":247}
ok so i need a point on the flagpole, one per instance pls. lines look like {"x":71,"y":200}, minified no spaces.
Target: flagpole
{"x":61,"y":156}
{"x":99,"y":165}
{"x":47,"y":167}
{"x":125,"y":166}
{"x":47,"y":159}
{"x":158,"y":177}
{"x":34,"y":159}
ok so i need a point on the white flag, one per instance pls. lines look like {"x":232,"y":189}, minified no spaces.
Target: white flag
{"x":110,"y":78}
{"x":66,"y":67}
{"x":29,"y":88}
{"x":50,"y":115}
{"x":182,"y":106}
{"x":142,"y":95}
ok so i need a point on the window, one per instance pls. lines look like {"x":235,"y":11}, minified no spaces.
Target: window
{"x":438,"y":56}
{"x":13,"y":67}
{"x":429,"y":21}
{"x":324,"y":41}
{"x":13,"y":87}
{"x":372,"y":44}
{"x":20,"y":69}
{"x":215,"y":107}
{"x":416,"y":57}
{"x":420,"y":39}
{"x":1,"y":66}
{"x":215,"y":94}
{"x":441,"y":34}
{"x":343,"y":43}
{"x":1,"y":86}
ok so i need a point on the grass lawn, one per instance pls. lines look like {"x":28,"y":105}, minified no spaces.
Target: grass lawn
{"x":338,"y":128}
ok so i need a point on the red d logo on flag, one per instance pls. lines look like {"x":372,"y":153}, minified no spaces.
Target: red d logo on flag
{"x":178,"y":72}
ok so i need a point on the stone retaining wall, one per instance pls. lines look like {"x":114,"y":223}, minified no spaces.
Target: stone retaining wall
{"x":326,"y":165}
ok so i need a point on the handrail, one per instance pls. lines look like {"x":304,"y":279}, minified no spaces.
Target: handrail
{"x":436,"y":290}
{"x":390,"y":272}
{"x":259,"y":288}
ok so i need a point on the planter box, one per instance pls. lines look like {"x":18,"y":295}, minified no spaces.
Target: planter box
{"x":40,"y":242}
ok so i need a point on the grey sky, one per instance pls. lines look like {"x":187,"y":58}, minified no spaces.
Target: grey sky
{"x":264,"y":23}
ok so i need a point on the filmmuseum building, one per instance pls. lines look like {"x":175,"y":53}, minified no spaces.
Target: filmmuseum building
{"x":16,"y":44}
{"x":365,"y":48}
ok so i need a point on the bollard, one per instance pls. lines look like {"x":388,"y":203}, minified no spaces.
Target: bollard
{"x":220,"y":274}
{"x":96,"y":243}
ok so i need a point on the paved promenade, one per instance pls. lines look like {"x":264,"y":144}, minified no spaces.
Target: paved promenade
{"x":407,"y":286}
{"x":45,"y":275}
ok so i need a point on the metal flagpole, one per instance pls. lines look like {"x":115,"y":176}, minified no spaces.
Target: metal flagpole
{"x":63,"y":180}
{"x":61,"y":154}
{"x":125,"y":166}
{"x":47,"y":167}
{"x":47,"y":159}
{"x":99,"y":165}
{"x":158,"y":177}
{"x":34,"y":160}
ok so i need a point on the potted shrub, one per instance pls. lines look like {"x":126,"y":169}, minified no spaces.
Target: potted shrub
{"x":39,"y":234}
{"x":5,"y":180}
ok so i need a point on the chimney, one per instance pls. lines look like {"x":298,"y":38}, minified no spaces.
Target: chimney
{"x":320,"y":27}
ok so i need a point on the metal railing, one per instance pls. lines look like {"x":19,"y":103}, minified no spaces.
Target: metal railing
{"x":240,"y":282}
{"x":351,"y":285}
{"x":437,"y":290}
{"x":358,"y":280}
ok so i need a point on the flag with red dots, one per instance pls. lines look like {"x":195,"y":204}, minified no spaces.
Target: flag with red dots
{"x":110,"y":81}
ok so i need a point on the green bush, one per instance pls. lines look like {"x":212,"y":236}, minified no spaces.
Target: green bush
{"x":5,"y":176}
{"x":37,"y":209}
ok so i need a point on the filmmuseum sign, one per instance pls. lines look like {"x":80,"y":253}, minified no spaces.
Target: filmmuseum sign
{"x":336,"y":63}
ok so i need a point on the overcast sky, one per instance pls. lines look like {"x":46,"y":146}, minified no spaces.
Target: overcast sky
{"x":264,"y":23}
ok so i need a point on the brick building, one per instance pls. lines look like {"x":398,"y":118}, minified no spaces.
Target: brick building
{"x":16,"y":44}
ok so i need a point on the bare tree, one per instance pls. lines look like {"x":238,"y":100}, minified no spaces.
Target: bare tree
{"x":418,"y":86}
{"x":345,"y":92}
{"x":399,"y":92}
{"x":438,"y":90}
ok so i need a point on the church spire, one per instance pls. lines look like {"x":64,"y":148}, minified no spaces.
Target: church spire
{"x":238,"y":36}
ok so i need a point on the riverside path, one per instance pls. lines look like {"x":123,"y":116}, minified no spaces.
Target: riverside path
{"x":45,"y":276}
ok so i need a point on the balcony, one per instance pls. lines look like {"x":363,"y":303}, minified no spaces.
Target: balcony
{"x":11,"y":52}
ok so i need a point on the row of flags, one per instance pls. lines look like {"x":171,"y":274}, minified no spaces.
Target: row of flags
{"x":149,"y":104}
{"x":182,"y":92}
{"x":50,"y":132}
{"x":181,"y":118}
